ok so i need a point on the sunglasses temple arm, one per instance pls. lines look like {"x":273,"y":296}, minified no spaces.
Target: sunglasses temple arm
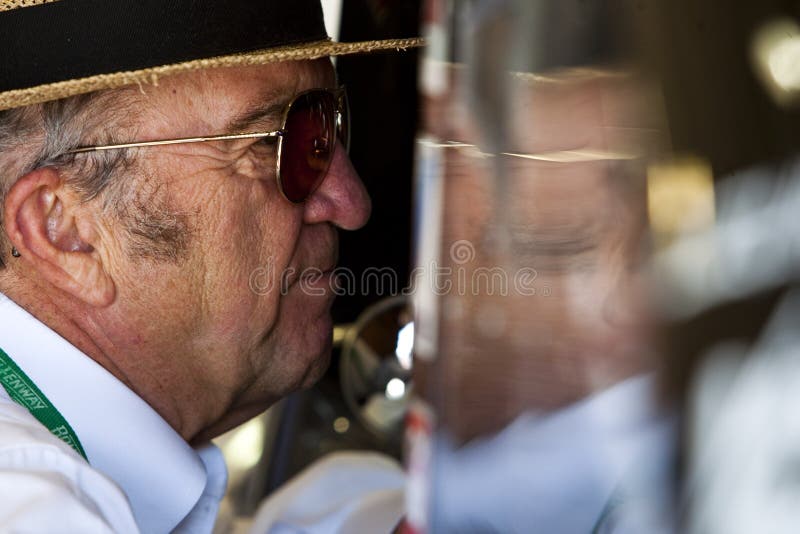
{"x":264,"y":135}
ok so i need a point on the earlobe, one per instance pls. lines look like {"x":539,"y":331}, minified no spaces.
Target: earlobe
{"x":43,"y":219}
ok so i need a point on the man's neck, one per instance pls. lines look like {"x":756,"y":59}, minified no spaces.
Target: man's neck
{"x":79,"y":327}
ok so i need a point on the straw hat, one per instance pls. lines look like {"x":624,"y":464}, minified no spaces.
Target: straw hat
{"x":58,"y":48}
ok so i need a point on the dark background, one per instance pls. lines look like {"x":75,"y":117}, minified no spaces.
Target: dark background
{"x":382,"y":88}
{"x":383,"y":100}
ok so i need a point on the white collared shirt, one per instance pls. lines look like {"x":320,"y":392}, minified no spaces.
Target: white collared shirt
{"x":563,"y":471}
{"x":141,"y":476}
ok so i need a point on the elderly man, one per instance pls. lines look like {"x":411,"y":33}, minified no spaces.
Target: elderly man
{"x":153,"y":156}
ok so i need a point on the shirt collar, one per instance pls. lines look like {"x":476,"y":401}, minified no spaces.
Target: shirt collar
{"x":122,"y":435}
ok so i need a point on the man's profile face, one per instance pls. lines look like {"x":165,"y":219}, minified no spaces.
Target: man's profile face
{"x":579,"y":323}
{"x":234,"y":315}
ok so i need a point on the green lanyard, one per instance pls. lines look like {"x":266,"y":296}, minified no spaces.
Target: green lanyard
{"x":24,"y":392}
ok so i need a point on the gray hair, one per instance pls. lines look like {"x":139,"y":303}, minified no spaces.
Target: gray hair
{"x":38,"y":136}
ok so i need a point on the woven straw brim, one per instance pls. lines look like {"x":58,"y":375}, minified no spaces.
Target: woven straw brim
{"x":54,"y":91}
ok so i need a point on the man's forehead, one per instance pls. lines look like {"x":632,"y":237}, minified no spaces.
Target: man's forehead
{"x":217,"y":100}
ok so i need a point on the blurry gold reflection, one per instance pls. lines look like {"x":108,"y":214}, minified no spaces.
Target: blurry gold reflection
{"x":680,"y":198}
{"x":341,"y":425}
{"x":775,"y":52}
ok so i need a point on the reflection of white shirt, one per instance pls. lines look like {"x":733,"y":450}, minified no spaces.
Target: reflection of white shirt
{"x":560,"y":472}
{"x":139,"y":467}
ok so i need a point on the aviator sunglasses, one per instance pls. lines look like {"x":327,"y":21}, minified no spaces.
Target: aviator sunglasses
{"x":311,"y":124}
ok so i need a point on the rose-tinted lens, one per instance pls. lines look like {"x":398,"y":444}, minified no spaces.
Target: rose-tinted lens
{"x":344,"y":122}
{"x":308,"y":145}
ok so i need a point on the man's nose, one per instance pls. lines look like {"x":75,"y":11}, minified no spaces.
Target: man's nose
{"x":341,"y":199}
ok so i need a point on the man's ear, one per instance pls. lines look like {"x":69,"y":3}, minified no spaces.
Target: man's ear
{"x":45,"y":223}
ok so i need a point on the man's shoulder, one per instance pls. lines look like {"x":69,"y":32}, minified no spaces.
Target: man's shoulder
{"x":44,"y":482}
{"x":19,"y":428}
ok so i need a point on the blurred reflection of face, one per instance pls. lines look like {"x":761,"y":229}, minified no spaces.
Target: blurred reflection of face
{"x":576,"y":229}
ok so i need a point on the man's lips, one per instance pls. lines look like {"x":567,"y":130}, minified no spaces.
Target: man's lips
{"x":318,"y":282}
{"x":313,"y":272}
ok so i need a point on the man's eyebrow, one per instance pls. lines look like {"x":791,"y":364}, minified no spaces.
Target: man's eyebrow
{"x":258,"y":114}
